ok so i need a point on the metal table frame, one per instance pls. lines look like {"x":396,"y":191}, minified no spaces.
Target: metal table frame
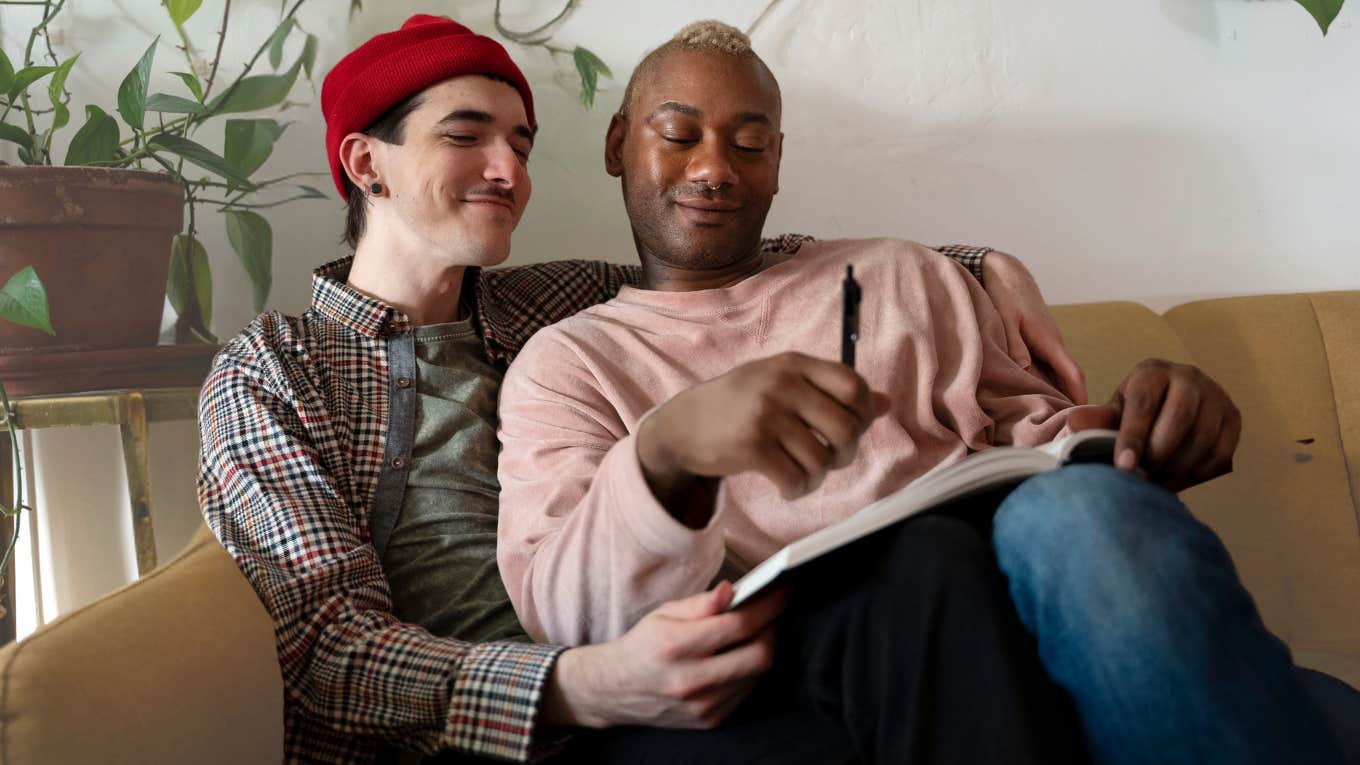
{"x":131,"y":411}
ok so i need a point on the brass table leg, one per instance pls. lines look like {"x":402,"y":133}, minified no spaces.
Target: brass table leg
{"x":134,"y":430}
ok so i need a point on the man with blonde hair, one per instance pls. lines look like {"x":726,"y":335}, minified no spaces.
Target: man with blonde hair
{"x":697,"y":422}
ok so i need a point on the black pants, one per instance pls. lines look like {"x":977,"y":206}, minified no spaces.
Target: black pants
{"x":903,"y":648}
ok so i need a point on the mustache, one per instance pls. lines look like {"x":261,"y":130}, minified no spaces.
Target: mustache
{"x":690,"y":191}
{"x":493,"y":191}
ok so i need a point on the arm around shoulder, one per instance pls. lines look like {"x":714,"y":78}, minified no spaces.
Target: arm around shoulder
{"x":349,"y":666}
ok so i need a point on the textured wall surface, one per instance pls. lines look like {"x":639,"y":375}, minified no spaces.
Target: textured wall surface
{"x":1154,"y":150}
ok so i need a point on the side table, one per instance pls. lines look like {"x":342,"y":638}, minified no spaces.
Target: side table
{"x":130,"y":388}
{"x":131,"y":411}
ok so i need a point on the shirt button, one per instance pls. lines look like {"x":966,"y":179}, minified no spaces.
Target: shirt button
{"x":403,"y":382}
{"x":398,"y":463}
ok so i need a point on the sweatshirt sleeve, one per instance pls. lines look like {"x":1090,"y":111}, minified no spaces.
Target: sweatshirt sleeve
{"x":584,"y":548}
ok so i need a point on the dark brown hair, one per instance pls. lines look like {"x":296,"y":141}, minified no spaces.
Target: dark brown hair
{"x":389,"y":128}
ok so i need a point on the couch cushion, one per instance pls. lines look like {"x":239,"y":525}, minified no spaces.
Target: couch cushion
{"x":1288,"y":512}
{"x":1107,"y":339}
{"x":178,"y":666}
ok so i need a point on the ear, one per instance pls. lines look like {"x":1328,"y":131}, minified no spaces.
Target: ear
{"x":613,"y":145}
{"x":358,"y":159}
{"x":778,"y":155}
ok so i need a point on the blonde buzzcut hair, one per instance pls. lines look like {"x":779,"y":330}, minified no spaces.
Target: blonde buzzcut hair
{"x":706,"y":36}
{"x":712,"y":35}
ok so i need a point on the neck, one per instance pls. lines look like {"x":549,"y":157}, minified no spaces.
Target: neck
{"x":657,"y":274}
{"x":424,"y":289}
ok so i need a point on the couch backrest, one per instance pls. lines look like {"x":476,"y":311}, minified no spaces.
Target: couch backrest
{"x":1288,"y":512}
{"x":178,"y":666}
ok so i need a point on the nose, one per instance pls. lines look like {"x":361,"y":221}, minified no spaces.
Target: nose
{"x":503,"y":166}
{"x":710,"y":164}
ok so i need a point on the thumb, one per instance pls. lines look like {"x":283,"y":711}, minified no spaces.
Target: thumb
{"x":1093,"y":416}
{"x":699,"y":606}
{"x":1015,"y":345}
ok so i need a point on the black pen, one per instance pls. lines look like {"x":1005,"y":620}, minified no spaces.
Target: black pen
{"x":849,"y":317}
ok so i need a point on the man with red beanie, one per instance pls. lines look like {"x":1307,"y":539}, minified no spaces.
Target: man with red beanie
{"x":349,"y":454}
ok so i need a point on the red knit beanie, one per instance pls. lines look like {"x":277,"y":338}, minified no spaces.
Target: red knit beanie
{"x":394,"y":66}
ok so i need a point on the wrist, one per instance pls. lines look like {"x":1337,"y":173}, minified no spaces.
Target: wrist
{"x":568,"y":696}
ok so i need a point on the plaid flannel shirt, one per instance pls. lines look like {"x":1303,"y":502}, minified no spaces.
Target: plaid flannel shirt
{"x":294,"y":421}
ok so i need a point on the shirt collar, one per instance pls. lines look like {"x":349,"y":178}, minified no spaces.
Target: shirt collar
{"x":333,"y":297}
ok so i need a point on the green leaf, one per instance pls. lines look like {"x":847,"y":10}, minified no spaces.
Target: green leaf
{"x":249,"y":143}
{"x":187,"y":256}
{"x":57,"y":87}
{"x":253,"y":240}
{"x":1324,"y":11}
{"x":23,"y":300}
{"x":308,"y":57}
{"x":181,"y":10}
{"x":277,"y":40}
{"x":590,"y":67}
{"x":15,"y":134}
{"x":96,"y":141}
{"x":132,"y":93}
{"x":255,"y":93}
{"x":160,"y":102}
{"x":6,"y":73}
{"x":191,"y":82}
{"x":355,"y":6}
{"x":26,"y":77}
{"x":311,"y":192}
{"x":200,"y":155}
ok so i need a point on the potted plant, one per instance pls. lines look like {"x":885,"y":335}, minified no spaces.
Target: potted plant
{"x":113,"y":222}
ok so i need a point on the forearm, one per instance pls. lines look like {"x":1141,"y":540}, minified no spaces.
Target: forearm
{"x":584,"y":548}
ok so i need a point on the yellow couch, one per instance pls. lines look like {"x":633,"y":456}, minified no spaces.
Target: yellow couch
{"x":180,"y":666}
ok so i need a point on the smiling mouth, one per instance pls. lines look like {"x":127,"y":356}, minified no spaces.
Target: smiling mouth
{"x":707,"y":212}
{"x":503,"y":203}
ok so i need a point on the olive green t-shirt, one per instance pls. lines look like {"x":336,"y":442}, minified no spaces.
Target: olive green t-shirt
{"x":441,"y":557}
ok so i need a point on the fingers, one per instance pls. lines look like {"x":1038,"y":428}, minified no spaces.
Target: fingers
{"x":1048,"y":347}
{"x":1177,"y":423}
{"x":818,"y":412}
{"x":691,"y":631}
{"x":735,"y":667}
{"x":698,"y":606}
{"x":1174,"y":420}
{"x":839,"y":382}
{"x":1015,"y":343}
{"x":1091,"y":417}
{"x":1139,"y":398}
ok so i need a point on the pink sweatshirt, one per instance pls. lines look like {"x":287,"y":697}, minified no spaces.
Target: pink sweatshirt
{"x":584,"y":547}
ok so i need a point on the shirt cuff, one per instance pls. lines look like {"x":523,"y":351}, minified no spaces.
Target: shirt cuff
{"x":496,"y":696}
{"x":967,"y":256}
{"x":649,"y":522}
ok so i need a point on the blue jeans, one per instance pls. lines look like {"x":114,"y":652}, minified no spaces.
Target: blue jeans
{"x":1139,"y":615}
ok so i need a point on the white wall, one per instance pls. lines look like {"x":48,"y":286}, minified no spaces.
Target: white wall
{"x":1148,"y":150}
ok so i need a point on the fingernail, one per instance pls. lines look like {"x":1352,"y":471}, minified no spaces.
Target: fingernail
{"x":1127,"y":460}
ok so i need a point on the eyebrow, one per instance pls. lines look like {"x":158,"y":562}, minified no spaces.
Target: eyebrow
{"x":484,"y":118}
{"x":741,"y":118}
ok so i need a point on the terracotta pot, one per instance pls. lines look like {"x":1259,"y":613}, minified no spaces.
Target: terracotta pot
{"x":100,"y":241}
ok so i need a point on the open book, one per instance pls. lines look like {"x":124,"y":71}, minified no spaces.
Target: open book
{"x":974,"y":474}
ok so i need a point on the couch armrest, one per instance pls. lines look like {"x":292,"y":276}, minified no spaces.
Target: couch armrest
{"x":179,"y":666}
